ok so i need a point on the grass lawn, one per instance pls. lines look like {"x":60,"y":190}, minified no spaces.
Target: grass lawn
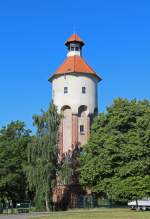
{"x":102,"y":213}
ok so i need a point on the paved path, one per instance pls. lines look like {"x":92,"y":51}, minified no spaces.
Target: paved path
{"x":21,"y":216}
{"x":13,"y":216}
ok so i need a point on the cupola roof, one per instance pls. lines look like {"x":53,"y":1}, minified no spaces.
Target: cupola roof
{"x":74,"y":63}
{"x":74,"y":38}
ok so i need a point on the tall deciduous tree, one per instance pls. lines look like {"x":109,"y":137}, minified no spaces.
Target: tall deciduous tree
{"x":42,"y":157}
{"x":13,"y":145}
{"x":116,"y":160}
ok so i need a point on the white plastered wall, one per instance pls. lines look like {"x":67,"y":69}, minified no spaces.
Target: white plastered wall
{"x":75,"y":98}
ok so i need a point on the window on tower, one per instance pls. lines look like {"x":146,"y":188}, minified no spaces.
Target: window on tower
{"x":77,"y":49}
{"x":65,"y":90}
{"x":83,"y":90}
{"x":81,"y":129}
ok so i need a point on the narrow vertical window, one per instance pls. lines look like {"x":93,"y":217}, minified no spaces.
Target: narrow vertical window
{"x":81,"y":129}
{"x":65,"y":90}
{"x":83,"y":90}
{"x":77,"y":49}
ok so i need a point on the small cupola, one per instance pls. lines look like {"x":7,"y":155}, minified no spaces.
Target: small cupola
{"x":74,"y":45}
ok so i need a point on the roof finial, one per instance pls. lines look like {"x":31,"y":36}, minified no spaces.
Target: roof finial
{"x":74,"y":38}
{"x":74,"y":29}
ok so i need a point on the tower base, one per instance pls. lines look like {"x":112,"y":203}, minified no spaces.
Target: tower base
{"x":68,"y":196}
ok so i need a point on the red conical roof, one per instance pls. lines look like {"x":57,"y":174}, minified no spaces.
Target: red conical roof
{"x":74,"y":38}
{"x":75,"y":64}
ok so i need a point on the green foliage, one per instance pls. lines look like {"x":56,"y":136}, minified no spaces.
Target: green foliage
{"x":42,"y":157}
{"x":13,"y":144}
{"x":116,"y":160}
{"x":68,"y":172}
{"x":65,"y":174}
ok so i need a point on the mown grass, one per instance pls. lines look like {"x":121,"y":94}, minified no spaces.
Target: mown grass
{"x":98,"y":214}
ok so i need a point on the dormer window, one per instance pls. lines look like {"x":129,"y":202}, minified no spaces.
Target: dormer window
{"x":65,"y":90}
{"x":83,"y":90}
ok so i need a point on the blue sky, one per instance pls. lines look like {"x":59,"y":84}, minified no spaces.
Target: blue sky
{"x":32,"y":36}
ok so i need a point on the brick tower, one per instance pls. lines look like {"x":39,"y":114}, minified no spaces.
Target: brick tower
{"x":74,"y":92}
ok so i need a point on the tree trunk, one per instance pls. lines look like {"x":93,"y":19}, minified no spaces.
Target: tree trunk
{"x":137,"y":206}
{"x":47,"y":203}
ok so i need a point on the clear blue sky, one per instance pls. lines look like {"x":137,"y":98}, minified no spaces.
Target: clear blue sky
{"x":32,"y":35}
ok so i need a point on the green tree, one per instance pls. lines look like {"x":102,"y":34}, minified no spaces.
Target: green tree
{"x":69,"y":169}
{"x":116,"y":160}
{"x":13,"y":145}
{"x":42,"y":157}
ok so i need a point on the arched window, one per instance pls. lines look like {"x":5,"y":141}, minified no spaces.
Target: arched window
{"x":82,"y":119}
{"x":65,"y":107}
{"x":82,"y":109}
